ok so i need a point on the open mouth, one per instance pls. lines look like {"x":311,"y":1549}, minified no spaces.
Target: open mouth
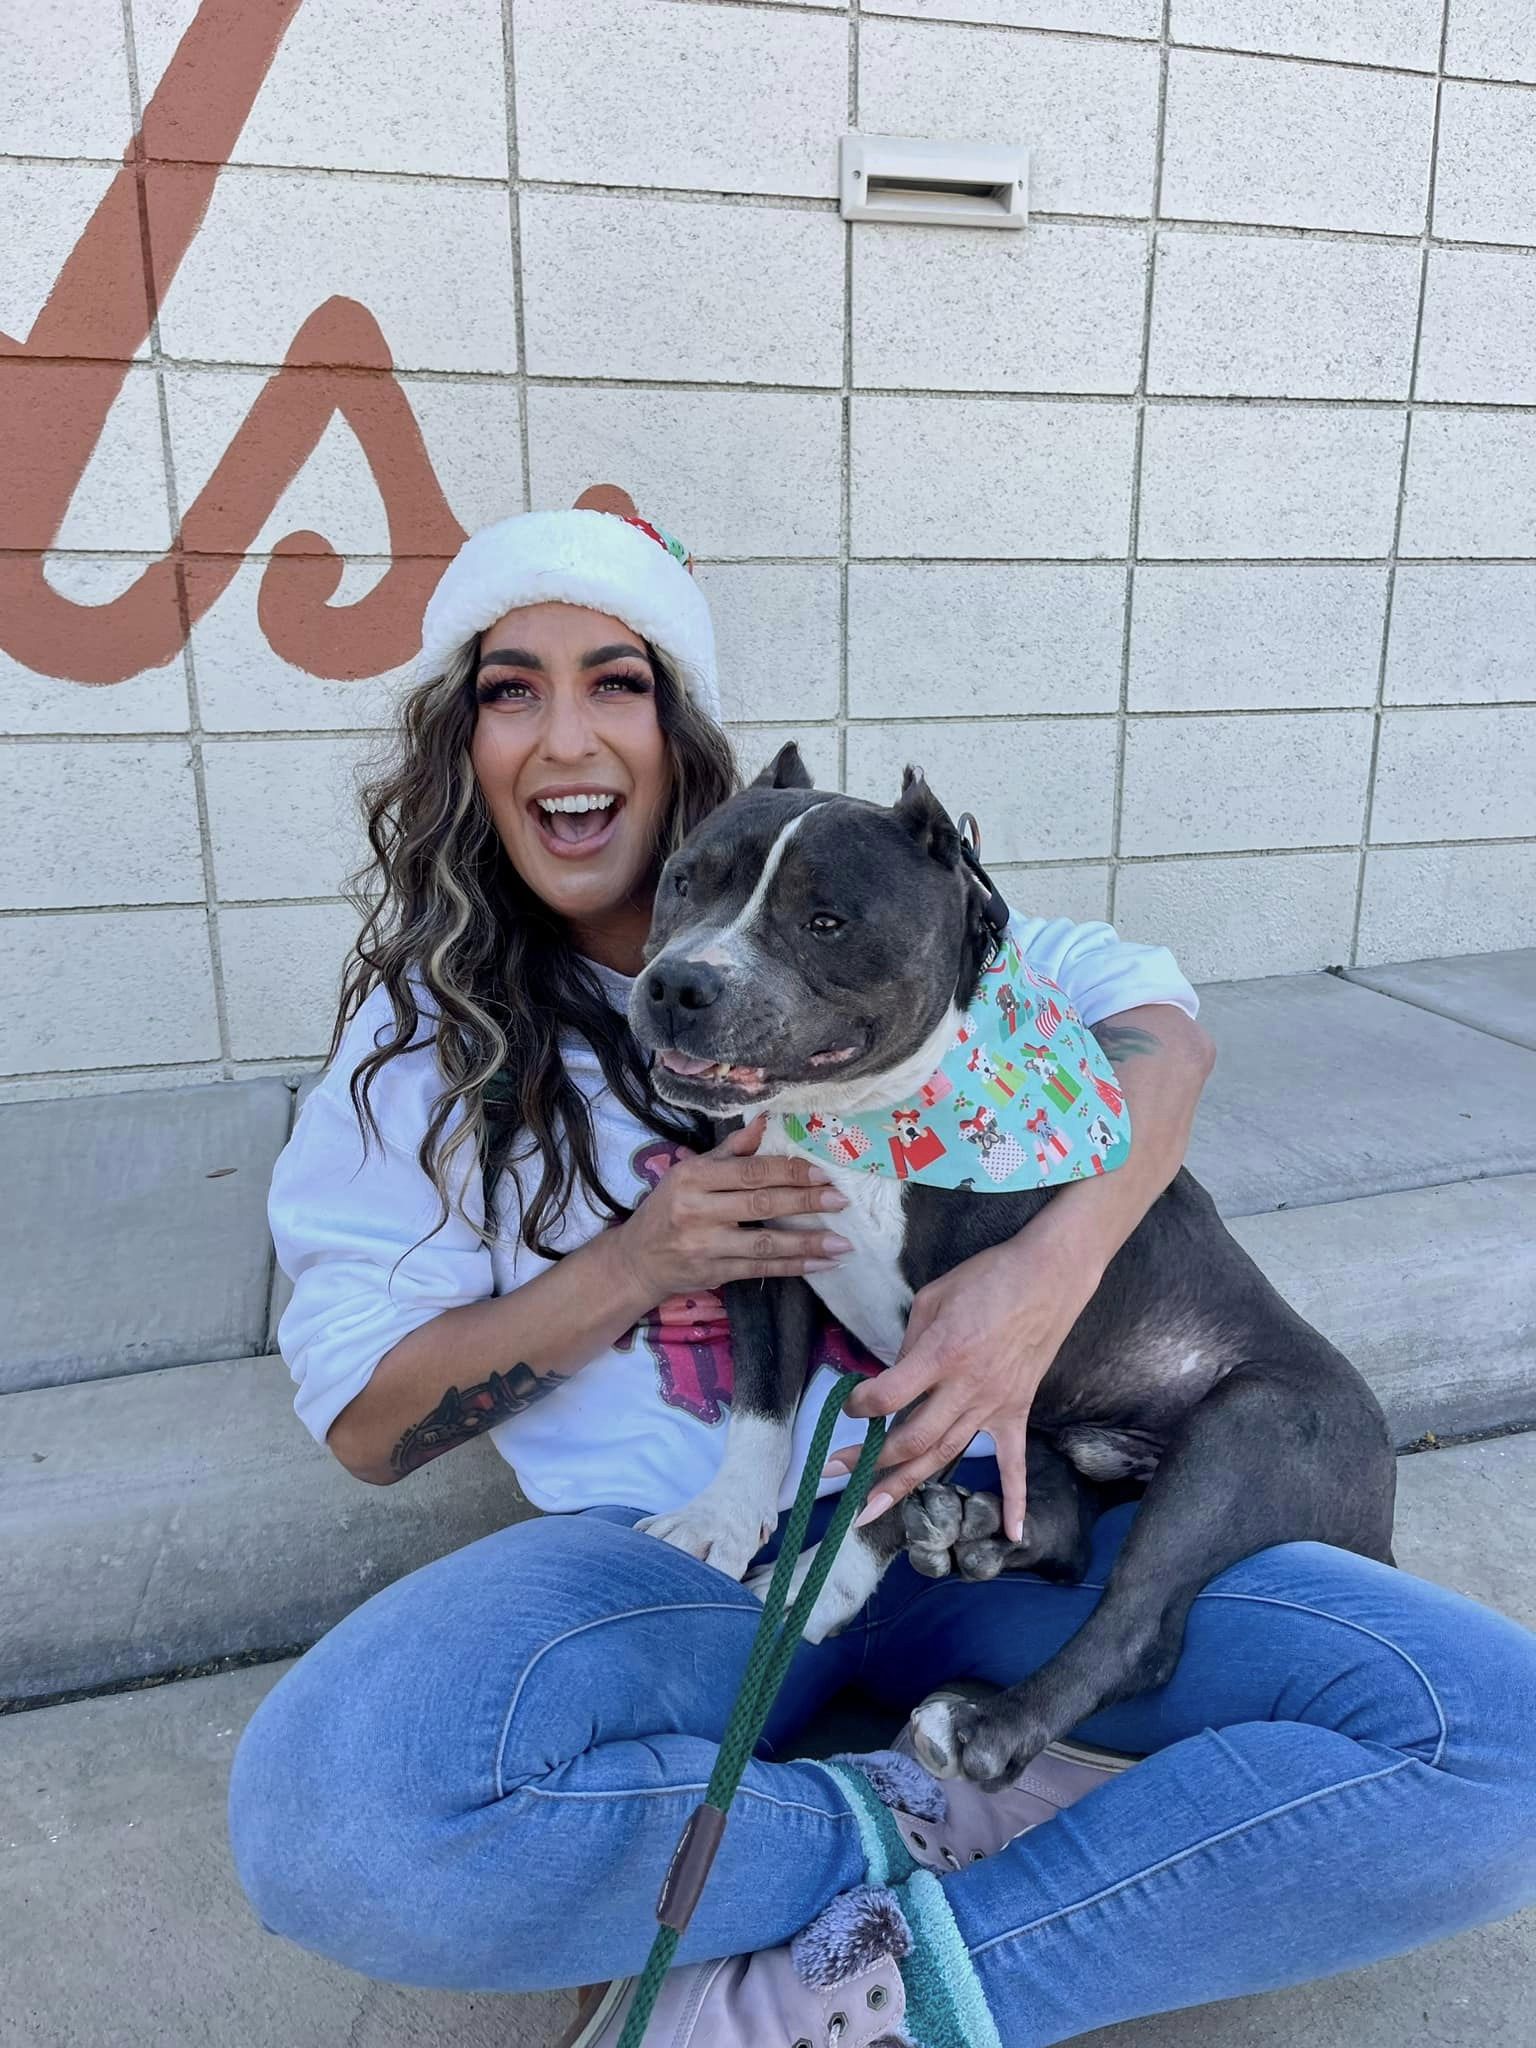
{"x":715,"y":1080}
{"x":575,"y":826}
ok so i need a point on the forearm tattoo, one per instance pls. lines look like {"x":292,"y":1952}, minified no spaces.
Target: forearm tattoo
{"x":459,"y":1416}
{"x":1122,"y":1042}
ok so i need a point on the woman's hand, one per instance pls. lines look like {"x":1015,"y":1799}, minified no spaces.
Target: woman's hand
{"x":688,"y":1236}
{"x":979,"y":1341}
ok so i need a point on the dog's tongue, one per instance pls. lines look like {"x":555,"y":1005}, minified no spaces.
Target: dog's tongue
{"x":680,"y":1063}
{"x":576,"y":825}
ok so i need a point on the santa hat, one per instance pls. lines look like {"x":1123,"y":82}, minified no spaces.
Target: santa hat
{"x":601,"y":554}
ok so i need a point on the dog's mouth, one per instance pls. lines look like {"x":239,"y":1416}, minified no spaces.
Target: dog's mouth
{"x":693,"y":1083}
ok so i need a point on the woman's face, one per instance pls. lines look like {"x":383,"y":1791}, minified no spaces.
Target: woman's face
{"x":570,"y":754}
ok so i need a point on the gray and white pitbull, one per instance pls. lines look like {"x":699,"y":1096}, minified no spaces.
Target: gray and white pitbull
{"x":813,"y":951}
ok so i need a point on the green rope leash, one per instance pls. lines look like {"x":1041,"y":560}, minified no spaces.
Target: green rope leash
{"x":778,"y":1634}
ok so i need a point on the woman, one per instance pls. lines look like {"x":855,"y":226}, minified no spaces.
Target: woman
{"x":476,"y":1780}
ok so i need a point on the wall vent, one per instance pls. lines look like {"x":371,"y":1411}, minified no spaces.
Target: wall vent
{"x":936,"y":184}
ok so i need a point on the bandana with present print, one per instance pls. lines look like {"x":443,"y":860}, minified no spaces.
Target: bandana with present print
{"x":1024,"y":1098}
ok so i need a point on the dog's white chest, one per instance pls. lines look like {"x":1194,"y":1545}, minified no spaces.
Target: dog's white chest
{"x":867,"y":1293}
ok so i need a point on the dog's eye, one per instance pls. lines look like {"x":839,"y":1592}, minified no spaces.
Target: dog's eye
{"x":823,"y":923}
{"x":679,"y":885}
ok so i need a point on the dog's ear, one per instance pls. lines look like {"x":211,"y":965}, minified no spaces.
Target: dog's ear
{"x":785,"y":771}
{"x":919,"y":810}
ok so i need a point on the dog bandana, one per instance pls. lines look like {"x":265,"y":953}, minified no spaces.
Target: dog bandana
{"x":1024,"y":1098}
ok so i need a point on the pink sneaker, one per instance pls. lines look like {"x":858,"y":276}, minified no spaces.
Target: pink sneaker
{"x":836,"y":1985}
{"x":976,"y":1823}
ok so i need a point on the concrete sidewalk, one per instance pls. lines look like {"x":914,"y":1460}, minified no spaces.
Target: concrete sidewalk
{"x":1371,"y":1138}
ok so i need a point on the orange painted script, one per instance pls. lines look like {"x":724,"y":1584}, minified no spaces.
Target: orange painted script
{"x":58,"y":387}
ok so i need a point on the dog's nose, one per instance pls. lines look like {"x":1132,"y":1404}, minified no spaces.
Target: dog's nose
{"x":681,"y":985}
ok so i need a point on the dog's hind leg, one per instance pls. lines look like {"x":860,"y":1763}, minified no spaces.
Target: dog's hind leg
{"x":730,"y":1521}
{"x":1279,"y":1453}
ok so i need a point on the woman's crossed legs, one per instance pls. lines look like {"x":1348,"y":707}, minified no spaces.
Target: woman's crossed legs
{"x":476,"y":1780}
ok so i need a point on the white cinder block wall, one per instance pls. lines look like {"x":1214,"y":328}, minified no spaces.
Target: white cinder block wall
{"x":1188,"y":537}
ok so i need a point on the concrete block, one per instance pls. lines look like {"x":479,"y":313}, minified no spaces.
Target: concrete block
{"x":662,"y":288}
{"x":1405,"y":35}
{"x":1490,"y":991}
{"x":106,"y":989}
{"x":282,"y":976}
{"x":1462,"y":774}
{"x":1491,"y":39}
{"x":1265,"y":317}
{"x":1273,"y":913}
{"x":1088,"y":110}
{"x":115,"y":823}
{"x":284,"y":817}
{"x":1224,"y":481}
{"x":1431,"y":1294}
{"x":730,"y":472}
{"x":167,"y":1259}
{"x":154,"y":700}
{"x":1471,"y":486}
{"x":1088,"y":17}
{"x":1067,"y":768}
{"x":46,"y":207}
{"x":429,"y":76}
{"x":64,"y":89}
{"x":1462,"y":632}
{"x":469,"y":428}
{"x":274,"y":245}
{"x":1485,"y":182}
{"x":998,"y":477}
{"x":1479,"y":337}
{"x":1080,"y":892}
{"x":162,"y":1520}
{"x":1213,"y":638}
{"x":778,"y":636}
{"x":737,"y":99}
{"x":927,"y":637}
{"x":1324,"y":1091}
{"x":1209,"y":785}
{"x":1423,"y":900}
{"x":756,"y":746}
{"x":112,"y":1812}
{"x":1295,"y":145}
{"x":1056,"y":309}
{"x":120,"y":501}
{"x":243,"y":686}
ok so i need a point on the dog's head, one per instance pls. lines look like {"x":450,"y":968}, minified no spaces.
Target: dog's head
{"x":804,"y":943}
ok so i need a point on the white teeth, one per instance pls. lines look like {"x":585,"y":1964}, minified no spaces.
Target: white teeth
{"x":576,"y":803}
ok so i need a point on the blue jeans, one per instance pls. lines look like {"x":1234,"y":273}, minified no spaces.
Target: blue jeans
{"x":475,"y":1780}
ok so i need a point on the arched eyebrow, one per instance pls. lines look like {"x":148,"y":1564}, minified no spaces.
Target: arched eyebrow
{"x":521,"y":657}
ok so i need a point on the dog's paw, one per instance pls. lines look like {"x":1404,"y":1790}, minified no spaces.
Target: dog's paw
{"x":725,"y":1537}
{"x":939,"y":1729}
{"x":931,"y":1520}
{"x":999,"y":1744}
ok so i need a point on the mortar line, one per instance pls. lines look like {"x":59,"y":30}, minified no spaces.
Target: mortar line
{"x":515,"y":224}
{"x":845,"y":425}
{"x":1138,"y":451}
{"x":194,"y":733}
{"x":1368,"y":808}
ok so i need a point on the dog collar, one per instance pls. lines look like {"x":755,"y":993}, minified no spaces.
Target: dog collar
{"x":1023,"y":1098}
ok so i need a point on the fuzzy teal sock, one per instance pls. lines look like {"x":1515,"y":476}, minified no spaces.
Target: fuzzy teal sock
{"x":946,"y":2007}
{"x":911,"y":1925}
{"x":874,"y":1783}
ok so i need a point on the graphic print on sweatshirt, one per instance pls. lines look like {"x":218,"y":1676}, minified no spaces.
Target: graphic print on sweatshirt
{"x":689,"y":1335}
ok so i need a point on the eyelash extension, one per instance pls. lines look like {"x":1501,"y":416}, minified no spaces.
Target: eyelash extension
{"x":632,"y":685}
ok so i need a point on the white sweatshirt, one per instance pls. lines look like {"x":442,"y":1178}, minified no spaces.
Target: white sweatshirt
{"x":642,"y":1424}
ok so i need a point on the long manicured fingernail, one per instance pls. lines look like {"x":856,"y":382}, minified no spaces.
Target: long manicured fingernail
{"x":1016,"y":1529}
{"x":822,"y":1265}
{"x":874,"y":1508}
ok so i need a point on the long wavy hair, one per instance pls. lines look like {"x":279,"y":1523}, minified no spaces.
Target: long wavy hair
{"x":446,"y":914}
